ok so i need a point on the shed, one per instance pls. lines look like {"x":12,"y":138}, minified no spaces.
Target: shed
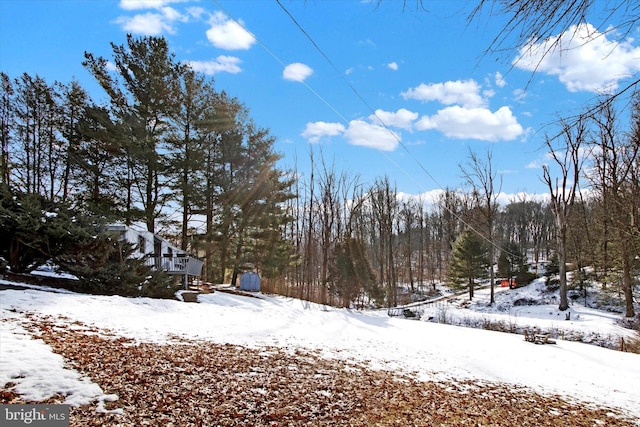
{"x":250,"y":281}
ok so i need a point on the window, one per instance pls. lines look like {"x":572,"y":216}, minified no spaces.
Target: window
{"x":142,"y":244}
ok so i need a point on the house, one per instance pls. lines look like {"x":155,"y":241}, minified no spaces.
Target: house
{"x":158,"y":252}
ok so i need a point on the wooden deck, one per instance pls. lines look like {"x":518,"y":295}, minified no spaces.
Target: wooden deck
{"x":177,"y":265}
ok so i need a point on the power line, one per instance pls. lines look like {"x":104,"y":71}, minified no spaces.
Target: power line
{"x":324,"y":101}
{"x":274,"y":56}
{"x":395,"y":136}
{"x":360,"y":97}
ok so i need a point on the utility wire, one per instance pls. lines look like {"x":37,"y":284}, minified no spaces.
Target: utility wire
{"x":360,"y":97}
{"x":274,"y":56}
{"x":395,"y":136}
{"x":324,"y":101}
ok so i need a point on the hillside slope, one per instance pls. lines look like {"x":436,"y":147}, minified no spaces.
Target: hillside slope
{"x":425,"y":352}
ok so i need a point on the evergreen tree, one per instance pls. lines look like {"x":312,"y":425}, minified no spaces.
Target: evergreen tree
{"x":511,"y":260}
{"x":469,"y":260}
{"x":37,"y":144}
{"x":257,"y":196}
{"x":351,"y":272}
{"x":186,"y":145}
{"x":75,"y":101}
{"x":104,"y":265}
{"x":145,"y":95}
{"x":33,"y":229}
{"x":7,"y":122}
{"x":98,"y":163}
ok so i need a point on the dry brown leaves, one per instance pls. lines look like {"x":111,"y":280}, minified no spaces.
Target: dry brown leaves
{"x":195,"y":383}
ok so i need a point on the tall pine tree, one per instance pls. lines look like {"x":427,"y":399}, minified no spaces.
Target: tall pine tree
{"x":145,"y":95}
{"x":469,"y":260}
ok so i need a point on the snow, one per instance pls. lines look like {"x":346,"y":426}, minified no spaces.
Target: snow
{"x":49,"y":270}
{"x":427,"y":350}
{"x":37,"y":370}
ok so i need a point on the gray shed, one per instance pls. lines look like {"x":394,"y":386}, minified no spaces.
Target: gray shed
{"x":250,"y":281}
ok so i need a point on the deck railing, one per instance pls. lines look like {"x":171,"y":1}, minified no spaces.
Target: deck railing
{"x":177,"y":264}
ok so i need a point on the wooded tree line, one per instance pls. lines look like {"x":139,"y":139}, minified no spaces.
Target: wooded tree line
{"x":168,"y":148}
{"x":400,"y":245}
{"x":172,"y":151}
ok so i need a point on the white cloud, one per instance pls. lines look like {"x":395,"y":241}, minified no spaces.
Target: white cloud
{"x":402,"y":118}
{"x":393,"y":66}
{"x":297,"y":72}
{"x":584,"y":59}
{"x":316,"y":130}
{"x":473,"y":123}
{"x":222,"y":64}
{"x":227,"y":34}
{"x":152,"y":23}
{"x":488,"y":93}
{"x":463,"y":92}
{"x":170,"y":14}
{"x":196,"y":11}
{"x":145,"y":4}
{"x":499,"y":78}
{"x":371,"y":135}
{"x":431,"y":198}
{"x":147,"y":24}
{"x":366,"y":42}
{"x":534,"y":164}
{"x":359,"y":132}
{"x":519,"y":95}
{"x":428,"y":199}
{"x":111,"y":67}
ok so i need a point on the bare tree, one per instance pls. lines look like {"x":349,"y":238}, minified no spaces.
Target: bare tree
{"x":615,"y":168}
{"x":406,"y":230}
{"x":526,"y":222}
{"x":543,"y":20}
{"x":329,"y":217}
{"x":384,"y":209}
{"x":605,"y":158}
{"x":482,"y":178}
{"x":563,"y":190}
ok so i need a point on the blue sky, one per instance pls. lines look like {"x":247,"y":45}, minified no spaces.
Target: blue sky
{"x":393,"y":90}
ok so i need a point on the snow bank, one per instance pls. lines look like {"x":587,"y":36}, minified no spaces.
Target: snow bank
{"x":37,"y":371}
{"x":428,"y":350}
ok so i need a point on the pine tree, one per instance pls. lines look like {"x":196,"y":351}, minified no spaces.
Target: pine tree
{"x":186,"y":145}
{"x":351,"y":272}
{"x":7,"y":123}
{"x":98,"y":163}
{"x":34,"y":229}
{"x":145,"y":95}
{"x":469,"y":260}
{"x":104,"y":265}
{"x":510,"y":260}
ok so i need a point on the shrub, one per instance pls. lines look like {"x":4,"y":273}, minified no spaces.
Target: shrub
{"x":104,"y":266}
{"x":553,"y":284}
{"x":524,"y":277}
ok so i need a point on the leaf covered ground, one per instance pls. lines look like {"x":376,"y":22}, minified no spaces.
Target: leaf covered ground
{"x":198,"y":383}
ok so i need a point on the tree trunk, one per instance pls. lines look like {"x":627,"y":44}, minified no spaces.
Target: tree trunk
{"x":492,"y":274}
{"x":627,"y":282}
{"x":562,"y":238}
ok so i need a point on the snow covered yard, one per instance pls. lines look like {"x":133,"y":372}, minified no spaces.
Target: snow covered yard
{"x":532,"y":307}
{"x":298,"y":341}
